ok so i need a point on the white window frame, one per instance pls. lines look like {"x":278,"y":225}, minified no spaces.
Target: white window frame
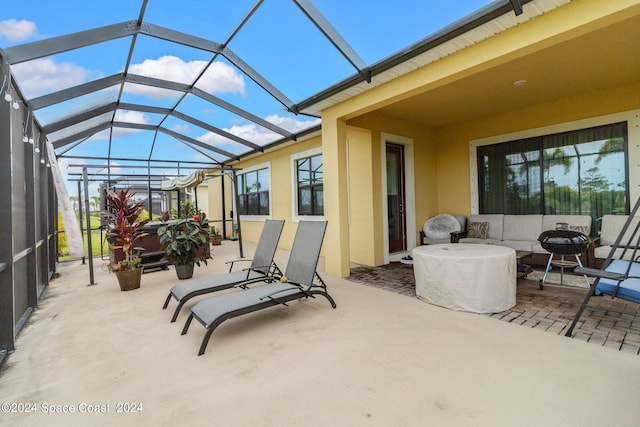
{"x":266,"y":165}
{"x":294,"y":185}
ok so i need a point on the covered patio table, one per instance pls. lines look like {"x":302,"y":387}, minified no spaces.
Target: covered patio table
{"x":468,"y":277}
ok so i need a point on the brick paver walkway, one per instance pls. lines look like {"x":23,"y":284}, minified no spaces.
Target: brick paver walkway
{"x":551,"y":309}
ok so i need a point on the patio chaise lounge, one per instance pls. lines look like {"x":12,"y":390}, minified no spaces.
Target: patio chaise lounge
{"x":297,"y":283}
{"x":262,"y":266}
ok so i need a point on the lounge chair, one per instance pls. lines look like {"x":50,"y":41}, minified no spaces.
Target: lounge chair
{"x":300,"y":281}
{"x":262,"y":265}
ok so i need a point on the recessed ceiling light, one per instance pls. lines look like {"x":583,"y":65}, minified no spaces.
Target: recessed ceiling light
{"x":520,"y":83}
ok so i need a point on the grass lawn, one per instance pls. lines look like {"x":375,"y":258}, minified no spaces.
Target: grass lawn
{"x":97,"y":238}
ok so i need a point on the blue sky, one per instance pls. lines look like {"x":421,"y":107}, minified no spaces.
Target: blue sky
{"x":278,"y":41}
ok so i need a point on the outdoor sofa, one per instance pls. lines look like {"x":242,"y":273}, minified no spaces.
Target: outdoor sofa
{"x":521,"y":232}
{"x":610,"y":229}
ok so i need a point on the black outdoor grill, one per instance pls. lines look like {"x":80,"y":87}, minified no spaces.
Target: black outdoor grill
{"x":562,"y":242}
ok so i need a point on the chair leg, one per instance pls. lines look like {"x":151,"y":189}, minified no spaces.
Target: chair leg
{"x":166,"y":302}
{"x":177,"y":311}
{"x":326,"y":295}
{"x":186,"y":325}
{"x":584,"y":304}
{"x":205,"y":341}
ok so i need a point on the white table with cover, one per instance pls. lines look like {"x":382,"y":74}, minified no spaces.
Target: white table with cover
{"x":468,"y":277}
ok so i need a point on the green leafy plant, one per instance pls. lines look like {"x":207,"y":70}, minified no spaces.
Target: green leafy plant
{"x":63,"y":247}
{"x":123,"y":226}
{"x":126,"y":265}
{"x":186,"y":210}
{"x":184,"y":240}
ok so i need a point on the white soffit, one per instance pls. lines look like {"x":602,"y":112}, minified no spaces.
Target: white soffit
{"x":494,"y":27}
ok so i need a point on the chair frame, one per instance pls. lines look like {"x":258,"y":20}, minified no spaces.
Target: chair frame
{"x":277,"y":291}
{"x":264,"y":271}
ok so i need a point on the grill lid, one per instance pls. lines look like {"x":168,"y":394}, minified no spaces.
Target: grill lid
{"x":564,"y":242}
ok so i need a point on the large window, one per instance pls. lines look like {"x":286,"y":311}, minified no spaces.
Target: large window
{"x":578,"y":172}
{"x":253,"y":192}
{"x":310,"y":190}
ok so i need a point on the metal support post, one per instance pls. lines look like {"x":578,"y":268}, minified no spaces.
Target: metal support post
{"x":237,"y":203}
{"x":88,"y":216}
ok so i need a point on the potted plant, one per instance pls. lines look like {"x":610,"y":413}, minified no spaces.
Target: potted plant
{"x":186,"y":242}
{"x":216,"y":237}
{"x":123,"y":230}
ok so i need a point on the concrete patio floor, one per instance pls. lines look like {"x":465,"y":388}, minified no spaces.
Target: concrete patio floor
{"x":379,"y":359}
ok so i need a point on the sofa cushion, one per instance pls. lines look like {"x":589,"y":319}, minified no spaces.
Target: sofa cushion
{"x":581,"y":223}
{"x":522,"y":227}
{"x":603,"y":252}
{"x":478,"y":230}
{"x":495,"y":224}
{"x":612,"y":226}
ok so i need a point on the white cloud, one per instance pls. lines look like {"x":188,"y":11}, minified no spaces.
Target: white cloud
{"x":131,"y":117}
{"x":180,"y":128}
{"x":250,"y":132}
{"x":42,"y":76}
{"x":292,"y":124}
{"x":257,"y":134}
{"x":16,"y":31}
{"x":219,"y":78}
{"x":126,"y":117}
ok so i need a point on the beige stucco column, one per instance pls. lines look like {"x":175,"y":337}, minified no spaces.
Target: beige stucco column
{"x":334,"y":153}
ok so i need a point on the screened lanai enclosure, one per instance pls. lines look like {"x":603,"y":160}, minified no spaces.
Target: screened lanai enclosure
{"x":135,"y":127}
{"x":140,"y":95}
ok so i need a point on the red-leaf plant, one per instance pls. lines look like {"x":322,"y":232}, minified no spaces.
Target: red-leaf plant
{"x":123,"y":226}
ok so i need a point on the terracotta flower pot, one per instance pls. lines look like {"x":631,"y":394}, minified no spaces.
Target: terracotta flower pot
{"x":129,"y":280}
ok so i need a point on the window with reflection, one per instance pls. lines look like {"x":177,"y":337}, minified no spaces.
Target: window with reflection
{"x":253,"y":192}
{"x":570,"y":173}
{"x":310,"y":185}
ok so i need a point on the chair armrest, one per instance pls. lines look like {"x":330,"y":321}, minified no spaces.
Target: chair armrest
{"x":258,"y":268}
{"x":243,"y":285}
{"x":233,"y":261}
{"x":602,"y":274}
{"x":457,"y":235}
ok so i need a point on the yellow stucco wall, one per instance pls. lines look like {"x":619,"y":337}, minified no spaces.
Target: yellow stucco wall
{"x":363,"y":215}
{"x":424,"y":165}
{"x":279,"y":162}
{"x":364,"y":189}
{"x":453,"y":155}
